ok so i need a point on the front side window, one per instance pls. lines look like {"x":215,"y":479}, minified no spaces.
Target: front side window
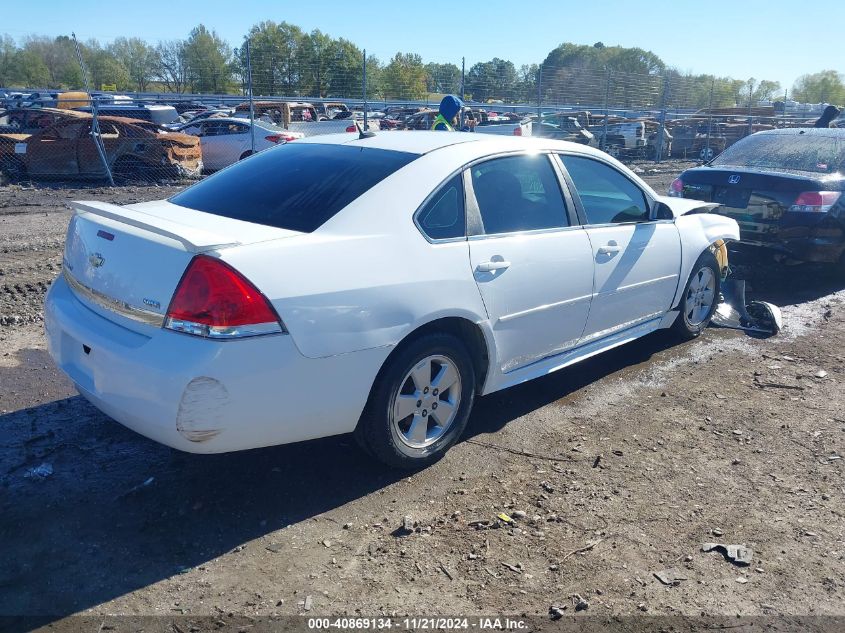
{"x":68,"y":131}
{"x":607,"y":195}
{"x":518,"y":193}
{"x":235,"y":128}
{"x":443,"y":215}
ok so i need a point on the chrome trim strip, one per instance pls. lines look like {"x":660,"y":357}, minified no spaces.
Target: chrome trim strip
{"x":109,"y":303}
{"x":548,"y":306}
{"x":223,"y":333}
{"x":525,"y":233}
{"x":640,"y":284}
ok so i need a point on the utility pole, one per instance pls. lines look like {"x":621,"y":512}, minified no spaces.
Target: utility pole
{"x":463,"y":90}
{"x":364,"y":91}
{"x":709,"y":123}
{"x":95,"y":125}
{"x":251,"y":102}
{"x":661,"y":130}
{"x":750,"y":97}
{"x":539,"y":94}
{"x":606,"y":111}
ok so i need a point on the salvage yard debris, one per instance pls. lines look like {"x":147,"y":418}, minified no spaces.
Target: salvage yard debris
{"x":669,"y":577}
{"x":737,"y":554}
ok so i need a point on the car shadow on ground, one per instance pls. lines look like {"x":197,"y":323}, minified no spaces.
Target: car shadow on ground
{"x":93,"y":531}
{"x":782,"y":284}
{"x":120,"y":512}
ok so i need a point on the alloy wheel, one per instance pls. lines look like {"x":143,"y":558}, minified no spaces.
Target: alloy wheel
{"x":427,"y":402}
{"x":700,"y":296}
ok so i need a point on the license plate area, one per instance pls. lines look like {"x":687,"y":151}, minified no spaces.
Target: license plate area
{"x":731,"y":197}
{"x":78,"y":359}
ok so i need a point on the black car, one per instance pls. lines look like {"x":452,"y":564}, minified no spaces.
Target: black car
{"x":784,"y":188}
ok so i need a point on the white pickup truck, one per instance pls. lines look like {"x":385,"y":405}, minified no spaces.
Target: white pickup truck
{"x":298,"y":116}
{"x":476,"y":121}
{"x":504,"y":124}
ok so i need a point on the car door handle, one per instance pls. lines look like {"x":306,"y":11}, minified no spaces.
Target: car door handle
{"x":611,"y":248}
{"x":489,"y":267}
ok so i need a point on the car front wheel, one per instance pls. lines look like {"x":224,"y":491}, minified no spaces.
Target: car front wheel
{"x":700,"y":298}
{"x":420,"y":403}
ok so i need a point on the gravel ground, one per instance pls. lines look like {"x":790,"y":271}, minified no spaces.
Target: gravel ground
{"x":610,"y":471}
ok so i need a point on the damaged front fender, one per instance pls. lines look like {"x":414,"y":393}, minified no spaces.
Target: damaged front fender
{"x":698,"y":233}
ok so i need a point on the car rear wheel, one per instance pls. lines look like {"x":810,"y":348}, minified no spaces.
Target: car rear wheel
{"x":129,"y":168}
{"x":246,"y":154}
{"x":700,"y":298}
{"x":420,"y":402}
{"x":707,"y":154}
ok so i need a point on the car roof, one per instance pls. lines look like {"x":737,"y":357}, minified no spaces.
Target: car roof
{"x":424,"y":142}
{"x":225,"y":119}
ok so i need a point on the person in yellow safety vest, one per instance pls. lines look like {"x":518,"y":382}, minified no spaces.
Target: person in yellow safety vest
{"x":449,"y":109}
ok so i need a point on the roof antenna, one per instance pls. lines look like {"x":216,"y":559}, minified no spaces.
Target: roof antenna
{"x":362,"y":133}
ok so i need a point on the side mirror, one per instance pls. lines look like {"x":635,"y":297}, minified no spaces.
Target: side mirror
{"x":663,"y":212}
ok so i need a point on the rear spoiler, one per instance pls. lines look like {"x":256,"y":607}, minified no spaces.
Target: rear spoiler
{"x":194,"y":240}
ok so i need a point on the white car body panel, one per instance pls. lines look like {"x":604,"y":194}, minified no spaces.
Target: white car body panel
{"x":632,"y":280}
{"x":348,"y":294}
{"x":222,"y":150}
{"x":141,"y":380}
{"x":535,"y":312}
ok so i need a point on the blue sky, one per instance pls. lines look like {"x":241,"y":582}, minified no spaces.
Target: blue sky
{"x":770,"y":39}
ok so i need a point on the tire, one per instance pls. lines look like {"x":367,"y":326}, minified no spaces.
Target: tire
{"x":422,"y":436}
{"x":707,"y":154}
{"x":700,"y":298}
{"x":246,"y":154}
{"x":839,"y":268}
{"x":130,"y":169}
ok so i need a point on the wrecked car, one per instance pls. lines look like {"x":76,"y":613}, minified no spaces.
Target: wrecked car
{"x":784,"y":188}
{"x":563,"y":128}
{"x":430,"y":269}
{"x":134,"y":150}
{"x":29,"y":120}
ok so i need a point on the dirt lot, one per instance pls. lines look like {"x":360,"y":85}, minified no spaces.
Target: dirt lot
{"x":611,"y":470}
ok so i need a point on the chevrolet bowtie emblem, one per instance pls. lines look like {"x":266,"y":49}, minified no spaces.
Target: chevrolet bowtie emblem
{"x":96,"y":260}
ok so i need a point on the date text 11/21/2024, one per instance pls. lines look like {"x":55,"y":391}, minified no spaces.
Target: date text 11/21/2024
{"x":418,"y":623}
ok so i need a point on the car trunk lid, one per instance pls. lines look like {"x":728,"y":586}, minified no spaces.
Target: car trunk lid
{"x":124,"y":262}
{"x":758,"y":201}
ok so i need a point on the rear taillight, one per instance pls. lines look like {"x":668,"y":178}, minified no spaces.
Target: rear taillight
{"x":815,"y":201}
{"x":676,"y":189}
{"x":351,"y":128}
{"x":215,"y":301}
{"x":517,"y":131}
{"x":280,"y":138}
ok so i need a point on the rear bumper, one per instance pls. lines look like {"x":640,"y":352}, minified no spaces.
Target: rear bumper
{"x":204,"y":396}
{"x":806,"y":249}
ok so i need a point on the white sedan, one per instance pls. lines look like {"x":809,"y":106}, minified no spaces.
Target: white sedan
{"x":370,"y":285}
{"x":226,"y":140}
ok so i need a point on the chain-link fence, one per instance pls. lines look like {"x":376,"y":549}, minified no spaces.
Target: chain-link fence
{"x":198,"y":111}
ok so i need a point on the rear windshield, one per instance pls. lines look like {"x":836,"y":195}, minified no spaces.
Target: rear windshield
{"x":792,"y":152}
{"x":296,"y":186}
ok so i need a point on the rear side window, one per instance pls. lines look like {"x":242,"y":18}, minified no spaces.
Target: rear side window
{"x":518,"y":193}
{"x":297,"y":186}
{"x":443,"y":216}
{"x":607,"y":195}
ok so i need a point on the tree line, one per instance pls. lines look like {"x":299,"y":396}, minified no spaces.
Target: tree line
{"x":285,"y":60}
